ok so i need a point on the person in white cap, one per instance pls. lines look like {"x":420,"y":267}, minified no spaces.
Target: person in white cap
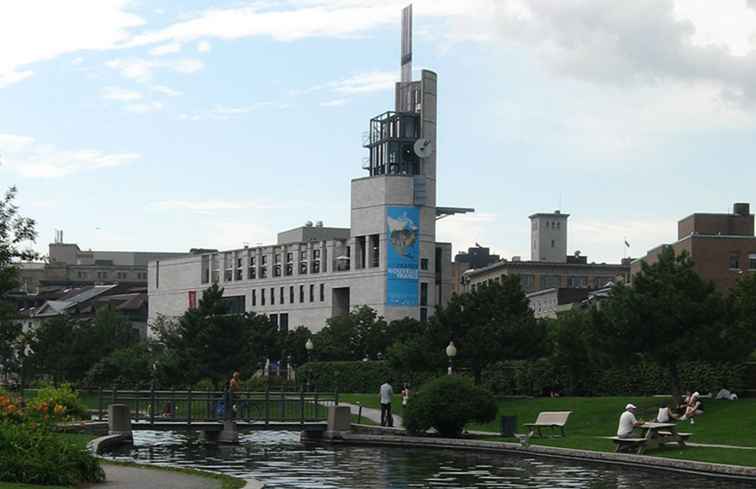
{"x":627,"y":422}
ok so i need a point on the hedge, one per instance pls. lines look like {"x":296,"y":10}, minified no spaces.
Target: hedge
{"x":535,"y":378}
{"x":357,"y":377}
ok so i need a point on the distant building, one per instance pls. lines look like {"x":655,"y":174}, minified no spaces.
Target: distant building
{"x":548,"y":303}
{"x":549,"y":266}
{"x":722,"y":246}
{"x":473,"y":258}
{"x":68,"y":266}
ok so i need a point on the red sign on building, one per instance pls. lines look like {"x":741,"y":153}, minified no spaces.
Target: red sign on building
{"x":192,"y":299}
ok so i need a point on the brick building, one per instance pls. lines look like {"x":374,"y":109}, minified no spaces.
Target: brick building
{"x":723,"y":246}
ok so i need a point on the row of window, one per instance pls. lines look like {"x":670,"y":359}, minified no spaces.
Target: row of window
{"x":528,"y":281}
{"x":104,"y":275}
{"x":734,"y":261}
{"x":280,"y":293}
{"x":234,"y":269}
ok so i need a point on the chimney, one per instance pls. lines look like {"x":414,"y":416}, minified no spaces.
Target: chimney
{"x":741,"y":209}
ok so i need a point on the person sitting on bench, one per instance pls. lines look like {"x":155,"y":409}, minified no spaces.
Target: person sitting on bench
{"x":694,"y":408}
{"x":665,"y":414}
{"x":627,"y":422}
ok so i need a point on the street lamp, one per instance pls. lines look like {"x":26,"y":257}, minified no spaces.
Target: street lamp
{"x":451,"y":352}
{"x":309,"y":346}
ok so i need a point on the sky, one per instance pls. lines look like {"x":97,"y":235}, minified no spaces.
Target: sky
{"x":166,"y":125}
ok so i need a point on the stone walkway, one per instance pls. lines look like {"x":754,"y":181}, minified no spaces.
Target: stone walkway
{"x":124,"y":477}
{"x":372,"y":414}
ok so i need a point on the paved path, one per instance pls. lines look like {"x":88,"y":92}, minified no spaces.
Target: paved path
{"x":123,"y":477}
{"x":372,"y":414}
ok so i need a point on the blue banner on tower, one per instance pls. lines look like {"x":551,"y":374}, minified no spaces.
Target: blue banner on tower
{"x":403,"y":256}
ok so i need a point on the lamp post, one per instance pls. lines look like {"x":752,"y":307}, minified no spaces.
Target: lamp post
{"x":309,"y":346}
{"x":451,"y":352}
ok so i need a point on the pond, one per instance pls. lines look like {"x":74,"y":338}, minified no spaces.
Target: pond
{"x":280,"y":461}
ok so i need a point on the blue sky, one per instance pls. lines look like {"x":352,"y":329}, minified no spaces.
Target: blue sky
{"x":170,"y":125}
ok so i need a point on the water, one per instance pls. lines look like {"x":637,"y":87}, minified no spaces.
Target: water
{"x":281,"y":461}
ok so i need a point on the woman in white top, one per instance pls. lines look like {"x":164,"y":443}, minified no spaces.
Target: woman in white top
{"x":665,"y":414}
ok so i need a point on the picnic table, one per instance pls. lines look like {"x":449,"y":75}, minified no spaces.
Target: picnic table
{"x":653,"y":435}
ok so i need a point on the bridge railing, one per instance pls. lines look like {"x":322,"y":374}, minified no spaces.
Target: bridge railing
{"x":268,"y":406}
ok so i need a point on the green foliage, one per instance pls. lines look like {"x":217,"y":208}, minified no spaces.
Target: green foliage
{"x":348,"y":376}
{"x":33,"y":455}
{"x":537,"y":378}
{"x":14,"y":231}
{"x":448,"y":404}
{"x":491,"y":323}
{"x":354,"y":336}
{"x":62,"y":395}
{"x":127,"y":367}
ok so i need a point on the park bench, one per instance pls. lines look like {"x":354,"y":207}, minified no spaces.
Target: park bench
{"x":654,"y":435}
{"x":549,"y":419}
{"x":628,"y":444}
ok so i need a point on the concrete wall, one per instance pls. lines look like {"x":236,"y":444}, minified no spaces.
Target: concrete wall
{"x":544,"y":234}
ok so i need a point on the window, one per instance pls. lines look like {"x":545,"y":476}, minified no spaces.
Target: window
{"x":312,"y":292}
{"x":315,"y":267}
{"x":577,"y":282}
{"x":233,"y":304}
{"x":303,"y":268}
{"x":254,"y":297}
{"x":264,"y":259}
{"x":283,"y":322}
{"x":301,"y":293}
{"x":227,"y":275}
{"x":316,"y":254}
{"x":752,"y":261}
{"x":274,"y":319}
{"x":552,"y":243}
{"x":289,"y":257}
{"x":303,"y":255}
{"x":291,"y":295}
{"x":322,"y":292}
{"x":262,"y":297}
{"x":276,"y":270}
{"x":281,"y":296}
{"x":527,"y":282}
{"x":375,"y":250}
{"x":251,"y":273}
{"x":205,"y":273}
{"x":734,"y":261}
{"x":263,"y":272}
{"x":423,"y":314}
{"x":272,"y":296}
{"x":238,"y":262}
{"x":423,"y":294}
{"x":289,"y":270}
{"x":551,"y":281}
{"x":423,"y":263}
{"x":439,"y":259}
{"x":82,"y":274}
{"x":238,"y":275}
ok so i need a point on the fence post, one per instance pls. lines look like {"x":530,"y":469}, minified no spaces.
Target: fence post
{"x":99,"y":404}
{"x":208,"y":405}
{"x":359,"y":413}
{"x":174,"y":411}
{"x":283,"y":403}
{"x":302,"y":406}
{"x":267,"y":402}
{"x":153,"y":400}
{"x":317,"y":408}
{"x":189,"y":406}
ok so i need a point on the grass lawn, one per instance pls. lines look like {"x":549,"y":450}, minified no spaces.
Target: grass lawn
{"x":725,"y":422}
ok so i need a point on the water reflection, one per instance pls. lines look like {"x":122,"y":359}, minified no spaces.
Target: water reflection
{"x":281,"y":461}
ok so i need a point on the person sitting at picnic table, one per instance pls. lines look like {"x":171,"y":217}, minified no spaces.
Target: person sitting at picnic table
{"x":628,"y":422}
{"x":665,"y":415}
{"x":694,"y":408}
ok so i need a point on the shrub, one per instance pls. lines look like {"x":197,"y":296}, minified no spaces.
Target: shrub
{"x":50,"y":396}
{"x":448,"y":404}
{"x":33,"y":455}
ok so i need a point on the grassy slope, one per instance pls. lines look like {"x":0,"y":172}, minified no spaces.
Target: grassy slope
{"x":727,"y":423}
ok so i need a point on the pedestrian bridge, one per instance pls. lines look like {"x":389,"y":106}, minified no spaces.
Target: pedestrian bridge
{"x":220,"y":416}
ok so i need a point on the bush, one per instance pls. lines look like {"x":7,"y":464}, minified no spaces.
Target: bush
{"x":33,"y":455}
{"x":448,"y":404}
{"x":51,"y":396}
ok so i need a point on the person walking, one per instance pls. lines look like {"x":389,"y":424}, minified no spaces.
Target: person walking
{"x":405,"y":397}
{"x":234,"y":387}
{"x":386,"y":393}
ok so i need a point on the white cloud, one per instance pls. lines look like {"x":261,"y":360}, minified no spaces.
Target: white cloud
{"x":77,"y":60}
{"x":163,"y":49}
{"x":142,"y":70}
{"x":237,"y":110}
{"x":209,"y":206}
{"x":334,"y":103}
{"x":37,"y":30}
{"x":120,"y":94}
{"x":203,"y":47}
{"x":360,"y":83}
{"x":28,"y":158}
{"x":167,"y":91}
{"x":145,"y":107}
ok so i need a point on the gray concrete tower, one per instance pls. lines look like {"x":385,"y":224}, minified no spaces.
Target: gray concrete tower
{"x":548,"y":237}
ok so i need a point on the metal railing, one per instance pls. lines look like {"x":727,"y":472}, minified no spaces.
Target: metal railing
{"x":196,"y":406}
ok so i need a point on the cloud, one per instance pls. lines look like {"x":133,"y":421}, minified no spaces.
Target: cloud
{"x":28,"y":158}
{"x":142,"y":70}
{"x":237,"y":110}
{"x":639,"y":43}
{"x":36,"y":30}
{"x":163,"y":49}
{"x":167,"y":91}
{"x":145,"y":107}
{"x":203,"y":47}
{"x":334,"y":103}
{"x":211,"y":206}
{"x":120,"y":94}
{"x":360,"y":83}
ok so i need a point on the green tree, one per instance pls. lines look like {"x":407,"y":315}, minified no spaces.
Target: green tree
{"x":669,"y":315}
{"x":207,"y":342}
{"x":354,"y":336}
{"x":492,"y":323}
{"x":15,"y":231}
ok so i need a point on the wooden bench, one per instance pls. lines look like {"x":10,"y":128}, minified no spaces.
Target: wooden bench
{"x":549,"y":419}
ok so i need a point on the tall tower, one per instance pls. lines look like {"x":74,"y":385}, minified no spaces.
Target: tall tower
{"x":396,"y":202}
{"x":548,"y":237}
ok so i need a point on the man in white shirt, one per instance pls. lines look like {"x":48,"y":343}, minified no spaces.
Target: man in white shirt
{"x":627,"y":422}
{"x":386,"y":393}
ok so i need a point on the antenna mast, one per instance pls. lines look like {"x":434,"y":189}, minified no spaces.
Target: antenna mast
{"x":407,"y":44}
